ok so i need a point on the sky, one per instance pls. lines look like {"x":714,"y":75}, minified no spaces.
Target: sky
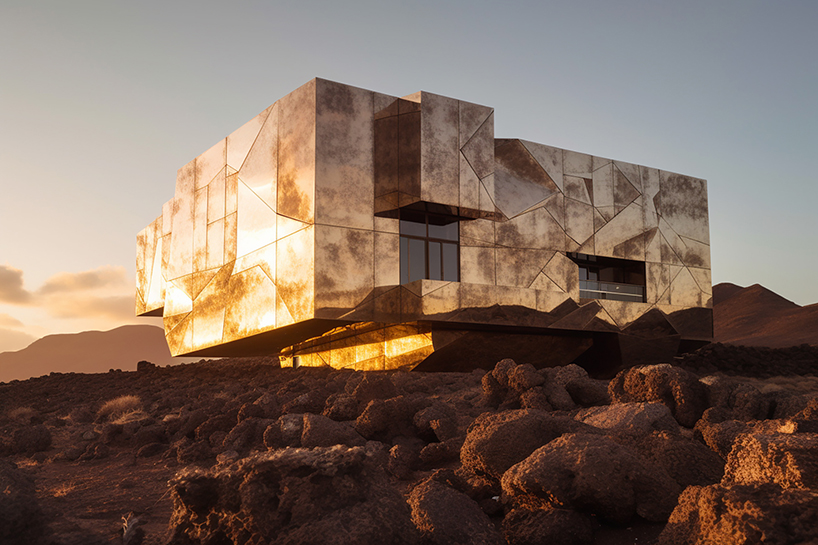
{"x":101,"y":103}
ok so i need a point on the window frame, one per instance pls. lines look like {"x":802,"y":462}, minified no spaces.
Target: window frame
{"x":617,"y":290}
{"x":411,"y":217}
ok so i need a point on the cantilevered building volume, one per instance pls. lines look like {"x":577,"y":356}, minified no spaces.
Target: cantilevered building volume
{"x":349,"y":228}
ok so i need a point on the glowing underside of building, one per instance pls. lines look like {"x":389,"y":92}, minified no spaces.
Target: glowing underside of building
{"x":355,"y":229}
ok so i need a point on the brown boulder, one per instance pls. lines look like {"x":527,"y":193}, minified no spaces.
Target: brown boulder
{"x":523,"y":377}
{"x":341,"y":407}
{"x":315,"y":496}
{"x":441,"y":453}
{"x":548,"y":527}
{"x":686,"y":460}
{"x":21,"y":520}
{"x":788,"y":460}
{"x":320,"y":431}
{"x":373,"y":386}
{"x":189,"y":422}
{"x":558,"y":397}
{"x":564,"y":374}
{"x":31,"y":439}
{"x":570,"y":385}
{"x":194,"y":453}
{"x":310,"y":402}
{"x":594,"y":475}
{"x":634,"y":417}
{"x":251,"y":410}
{"x":588,"y":392}
{"x":269,"y":404}
{"x":493,"y":391}
{"x":213,"y":424}
{"x":535,"y":398}
{"x":495,"y":442}
{"x":720,"y":436}
{"x":446,"y":516}
{"x":437,"y":422}
{"x":384,"y":419}
{"x":501,"y":371}
{"x":681,"y":391}
{"x":247,"y":434}
{"x":743,"y":515}
{"x":740,"y":401}
{"x":290,"y":429}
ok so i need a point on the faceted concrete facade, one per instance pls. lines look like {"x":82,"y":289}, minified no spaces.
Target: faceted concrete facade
{"x":286,"y":235}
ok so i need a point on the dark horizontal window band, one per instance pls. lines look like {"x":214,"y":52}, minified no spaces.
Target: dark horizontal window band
{"x":610,"y":278}
{"x":611,"y":296}
{"x":611,"y":287}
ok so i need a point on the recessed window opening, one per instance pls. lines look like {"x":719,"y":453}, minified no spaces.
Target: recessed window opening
{"x":610,"y":278}
{"x":429,"y":247}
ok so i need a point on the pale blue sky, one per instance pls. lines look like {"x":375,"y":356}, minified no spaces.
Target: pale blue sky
{"x":101,"y":102}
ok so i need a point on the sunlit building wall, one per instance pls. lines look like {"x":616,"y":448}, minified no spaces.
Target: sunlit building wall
{"x":350,"y":228}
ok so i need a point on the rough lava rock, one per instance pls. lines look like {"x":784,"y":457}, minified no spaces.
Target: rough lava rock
{"x":634,"y":417}
{"x":437,"y":422}
{"x":446,"y":516}
{"x":373,"y":386}
{"x":686,"y":460}
{"x":548,"y":527}
{"x":721,"y":436}
{"x":384,"y":419}
{"x":501,"y":371}
{"x":743,"y":515}
{"x":523,"y":377}
{"x":21,"y":520}
{"x":680,"y":390}
{"x":325,"y":495}
{"x":341,"y":407}
{"x":495,"y":442}
{"x":320,"y":431}
{"x":594,"y":475}
{"x":788,"y":460}
{"x":31,"y":439}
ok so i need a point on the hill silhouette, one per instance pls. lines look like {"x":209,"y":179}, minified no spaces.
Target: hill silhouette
{"x":756,"y":316}
{"x":751,"y":316}
{"x":88,"y":352}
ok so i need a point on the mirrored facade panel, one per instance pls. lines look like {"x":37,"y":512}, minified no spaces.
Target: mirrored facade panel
{"x":344,"y":156}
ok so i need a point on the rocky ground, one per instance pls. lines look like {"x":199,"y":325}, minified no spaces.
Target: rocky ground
{"x":712,"y":449}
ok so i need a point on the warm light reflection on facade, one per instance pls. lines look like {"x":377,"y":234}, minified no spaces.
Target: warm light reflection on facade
{"x":285,"y":235}
{"x":368,"y":346}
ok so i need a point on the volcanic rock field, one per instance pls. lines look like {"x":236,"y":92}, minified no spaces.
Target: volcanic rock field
{"x":710,"y":449}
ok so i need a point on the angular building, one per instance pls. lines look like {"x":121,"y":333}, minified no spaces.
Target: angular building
{"x":349,"y":228}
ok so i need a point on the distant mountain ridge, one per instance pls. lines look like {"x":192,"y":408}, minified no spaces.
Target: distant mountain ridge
{"x":751,"y":316}
{"x":88,"y":352}
{"x":756,"y":316}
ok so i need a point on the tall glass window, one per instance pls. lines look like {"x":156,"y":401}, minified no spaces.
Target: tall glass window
{"x":429,"y":247}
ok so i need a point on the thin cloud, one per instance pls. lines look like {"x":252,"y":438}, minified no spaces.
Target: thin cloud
{"x":117,"y":307}
{"x":102,"y":277}
{"x":7,"y":320}
{"x":11,"y":287}
{"x":98,"y":293}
